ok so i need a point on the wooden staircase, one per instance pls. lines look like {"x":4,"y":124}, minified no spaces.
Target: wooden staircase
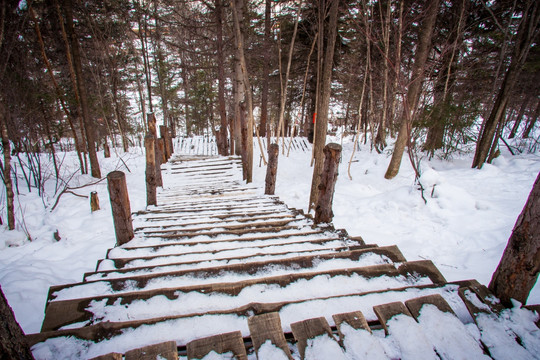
{"x":218,"y":266}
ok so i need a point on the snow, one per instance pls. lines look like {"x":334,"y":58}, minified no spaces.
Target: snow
{"x":463,"y":229}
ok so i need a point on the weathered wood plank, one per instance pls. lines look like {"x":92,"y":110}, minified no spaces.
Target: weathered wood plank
{"x":309,"y":329}
{"x":415,"y":305}
{"x":387,"y":311}
{"x":268,"y":327}
{"x":354,"y":319}
{"x":222,"y":343}
{"x":166,"y":350}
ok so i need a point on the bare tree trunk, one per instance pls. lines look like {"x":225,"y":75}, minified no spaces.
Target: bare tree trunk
{"x":321,"y":124}
{"x":236,"y":6}
{"x":266,"y":68}
{"x":519,"y":117}
{"x":7,"y":171}
{"x":284,"y":86}
{"x":59,"y":94}
{"x":415,"y":87}
{"x":532,"y":121}
{"x":13,"y":343}
{"x":527,"y":31}
{"x":520,"y":264}
{"x":222,"y":135}
{"x":88,"y":125}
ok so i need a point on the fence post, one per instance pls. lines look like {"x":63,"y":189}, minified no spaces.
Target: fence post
{"x":149,"y":144}
{"x":271,"y":169}
{"x":94,"y":201}
{"x":120,"y":207}
{"x":323,"y":210}
{"x":151,"y":119}
{"x":164,"y":133}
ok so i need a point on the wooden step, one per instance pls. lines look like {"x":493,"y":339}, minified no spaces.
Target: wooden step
{"x":212,"y":262}
{"x":64,"y":312}
{"x":166,"y":246}
{"x":230,"y":253}
{"x":226,"y":228}
{"x":238,"y":271}
{"x":179,"y":327}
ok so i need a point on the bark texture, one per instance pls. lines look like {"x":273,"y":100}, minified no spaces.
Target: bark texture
{"x":149,"y":144}
{"x":12,"y":341}
{"x":518,"y":270}
{"x":321,"y":123}
{"x":10,"y":196}
{"x":120,"y":206}
{"x":271,"y":169}
{"x":415,"y":87}
{"x":323,"y":211}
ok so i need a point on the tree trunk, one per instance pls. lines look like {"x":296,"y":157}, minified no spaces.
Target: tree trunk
{"x":236,"y":6}
{"x":89,"y":127}
{"x":7,"y":173}
{"x":321,"y":123}
{"x":222,"y":135}
{"x":13,"y":343}
{"x":266,"y":68}
{"x":526,"y":33}
{"x":519,"y":117}
{"x":532,"y":121}
{"x":415,"y":87}
{"x":520,"y":264}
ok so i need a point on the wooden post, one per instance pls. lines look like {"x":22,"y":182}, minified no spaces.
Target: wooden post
{"x":162,"y":150}
{"x":120,"y":207}
{"x":323,"y":210}
{"x":106,"y":150}
{"x":149,"y":144}
{"x":164,"y":133}
{"x":94,"y":201}
{"x":151,"y":120}
{"x":271,"y":169}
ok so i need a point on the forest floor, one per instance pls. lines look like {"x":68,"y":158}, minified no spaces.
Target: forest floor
{"x":463,"y":228}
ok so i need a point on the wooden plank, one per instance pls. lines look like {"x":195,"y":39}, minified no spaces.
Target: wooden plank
{"x":354,"y":319}
{"x":387,"y":311}
{"x":268,"y":327}
{"x":110,"y":356}
{"x":309,"y":329}
{"x":415,"y":305}
{"x":423,"y":267}
{"x":222,"y":343}
{"x":166,"y":350}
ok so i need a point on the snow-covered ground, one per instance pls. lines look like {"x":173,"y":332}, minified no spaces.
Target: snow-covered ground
{"x":463,"y":228}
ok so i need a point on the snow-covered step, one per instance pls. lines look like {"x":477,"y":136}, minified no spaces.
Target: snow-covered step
{"x":184,"y":253}
{"x":117,"y":282}
{"x":224,"y":296}
{"x":165,"y":246}
{"x":140,"y":224}
{"x":148,"y":217}
{"x":208,"y":261}
{"x":224,"y":228}
{"x":185,"y":328}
